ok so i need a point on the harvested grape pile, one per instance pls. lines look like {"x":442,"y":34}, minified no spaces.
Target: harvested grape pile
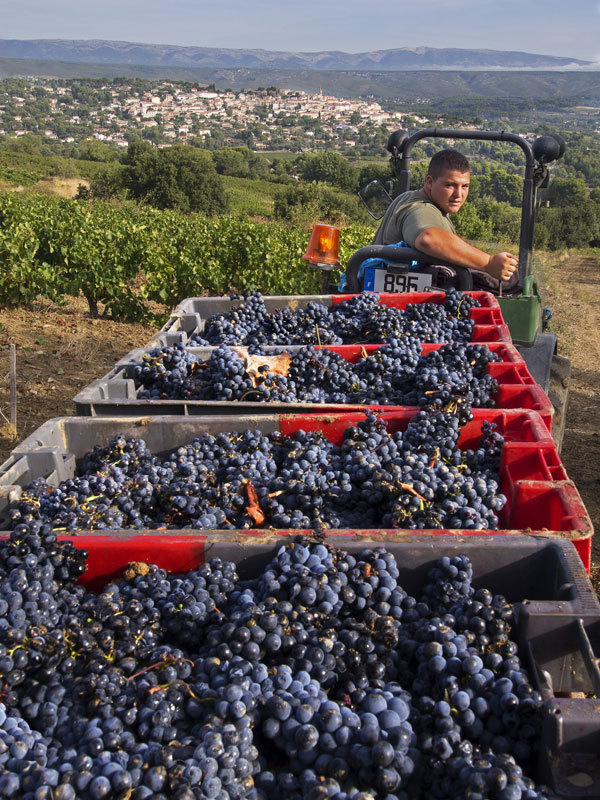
{"x":359,"y":320}
{"x":418,"y":478}
{"x":396,"y":374}
{"x":321,"y":678}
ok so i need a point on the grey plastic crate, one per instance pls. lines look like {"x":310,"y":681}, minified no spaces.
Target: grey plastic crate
{"x":540,"y":497}
{"x":557,"y":616}
{"x":116,"y":393}
{"x":191,"y":315}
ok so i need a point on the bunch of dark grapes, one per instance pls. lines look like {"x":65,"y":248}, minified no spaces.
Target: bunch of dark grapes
{"x":248,"y":323}
{"x":358,"y":320}
{"x":395,"y":374}
{"x":459,"y":305}
{"x":415,"y":479}
{"x":169,"y":371}
{"x":319,"y":678}
{"x":454,"y":371}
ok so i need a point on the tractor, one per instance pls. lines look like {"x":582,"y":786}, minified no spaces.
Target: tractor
{"x":390,"y":268}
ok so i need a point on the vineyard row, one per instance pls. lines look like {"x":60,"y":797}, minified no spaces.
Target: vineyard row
{"x":125,"y":256}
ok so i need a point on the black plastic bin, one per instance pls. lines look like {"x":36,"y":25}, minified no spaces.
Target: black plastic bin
{"x":557,"y":616}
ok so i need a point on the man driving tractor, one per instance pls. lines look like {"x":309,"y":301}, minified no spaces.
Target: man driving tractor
{"x":420,"y":218}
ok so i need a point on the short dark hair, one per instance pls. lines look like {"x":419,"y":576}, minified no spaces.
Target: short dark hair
{"x":447,"y":160}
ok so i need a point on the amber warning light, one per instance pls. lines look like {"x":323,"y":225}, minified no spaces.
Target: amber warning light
{"x":323,"y":247}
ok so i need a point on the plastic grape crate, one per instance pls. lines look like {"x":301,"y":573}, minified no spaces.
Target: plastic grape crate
{"x":190,"y":316}
{"x":540,"y":497}
{"x":116,"y":393}
{"x":557,"y":624}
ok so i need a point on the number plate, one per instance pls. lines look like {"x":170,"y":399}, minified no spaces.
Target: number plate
{"x":380,"y":280}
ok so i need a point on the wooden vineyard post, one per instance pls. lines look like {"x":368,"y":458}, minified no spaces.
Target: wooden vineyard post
{"x":12,"y":369}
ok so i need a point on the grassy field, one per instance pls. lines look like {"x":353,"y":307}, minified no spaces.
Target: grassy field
{"x":25,"y":170}
{"x":62,"y":176}
{"x":251,"y":197}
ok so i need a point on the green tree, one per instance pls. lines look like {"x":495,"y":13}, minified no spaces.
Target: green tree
{"x":375,"y":172}
{"x":418,"y":173}
{"x":582,"y":155}
{"x":328,"y":166}
{"x":231,"y":161}
{"x":504,"y":219}
{"x":95,"y":150}
{"x":280,"y":171}
{"x":501,"y":186}
{"x":178,"y":177}
{"x":105,"y":183}
{"x":241,"y":162}
{"x":469,"y":224}
{"x":571,"y":226}
{"x":28,"y":143}
{"x":566,"y":192}
{"x":316,"y":202}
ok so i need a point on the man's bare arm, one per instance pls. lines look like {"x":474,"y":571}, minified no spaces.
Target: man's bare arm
{"x":450,"y":247}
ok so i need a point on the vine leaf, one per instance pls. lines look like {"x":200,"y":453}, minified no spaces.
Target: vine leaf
{"x":279,"y":364}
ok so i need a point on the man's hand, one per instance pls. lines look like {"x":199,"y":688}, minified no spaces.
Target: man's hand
{"x":501,"y":266}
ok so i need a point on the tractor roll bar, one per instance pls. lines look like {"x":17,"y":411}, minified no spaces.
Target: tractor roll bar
{"x":527,"y":206}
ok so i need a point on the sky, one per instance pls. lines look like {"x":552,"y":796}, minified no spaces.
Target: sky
{"x":551,"y":27}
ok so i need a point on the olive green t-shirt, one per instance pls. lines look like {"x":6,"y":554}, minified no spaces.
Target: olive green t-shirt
{"x":408,"y":215}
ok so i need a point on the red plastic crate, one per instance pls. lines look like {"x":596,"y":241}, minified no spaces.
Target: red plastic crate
{"x":482,"y":334}
{"x":555,"y":626}
{"x":402,"y":299}
{"x":516,"y":386}
{"x":115,"y":393}
{"x":518,"y":426}
{"x":109,"y":554}
{"x":562,"y":504}
{"x":180,"y":551}
{"x":540,"y":498}
{"x":507,"y":352}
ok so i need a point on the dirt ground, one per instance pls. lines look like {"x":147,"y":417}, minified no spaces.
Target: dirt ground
{"x":574,"y":297}
{"x":60,"y":350}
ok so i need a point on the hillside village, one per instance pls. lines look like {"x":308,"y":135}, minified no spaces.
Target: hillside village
{"x":266,"y":119}
{"x":181,"y":110}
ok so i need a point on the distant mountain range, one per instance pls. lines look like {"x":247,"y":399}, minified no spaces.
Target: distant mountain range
{"x":99,"y":51}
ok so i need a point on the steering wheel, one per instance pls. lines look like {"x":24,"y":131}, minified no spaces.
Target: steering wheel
{"x":401,"y":257}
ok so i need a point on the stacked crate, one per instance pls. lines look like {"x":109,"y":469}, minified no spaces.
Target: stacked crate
{"x":532,"y":555}
{"x":541,"y":499}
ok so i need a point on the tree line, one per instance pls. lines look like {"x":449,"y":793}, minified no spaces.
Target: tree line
{"x":322,"y":186}
{"x":187,"y":179}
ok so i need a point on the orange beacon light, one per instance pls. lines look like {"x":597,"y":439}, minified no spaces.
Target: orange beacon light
{"x":323,"y":247}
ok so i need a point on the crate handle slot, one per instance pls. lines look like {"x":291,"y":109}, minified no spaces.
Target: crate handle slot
{"x":588,"y":655}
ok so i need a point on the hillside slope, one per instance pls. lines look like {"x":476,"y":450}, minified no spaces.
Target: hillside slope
{"x":402,"y":58}
{"x":404,"y":86}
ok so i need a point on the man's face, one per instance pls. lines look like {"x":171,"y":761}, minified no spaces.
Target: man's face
{"x":449,"y":191}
